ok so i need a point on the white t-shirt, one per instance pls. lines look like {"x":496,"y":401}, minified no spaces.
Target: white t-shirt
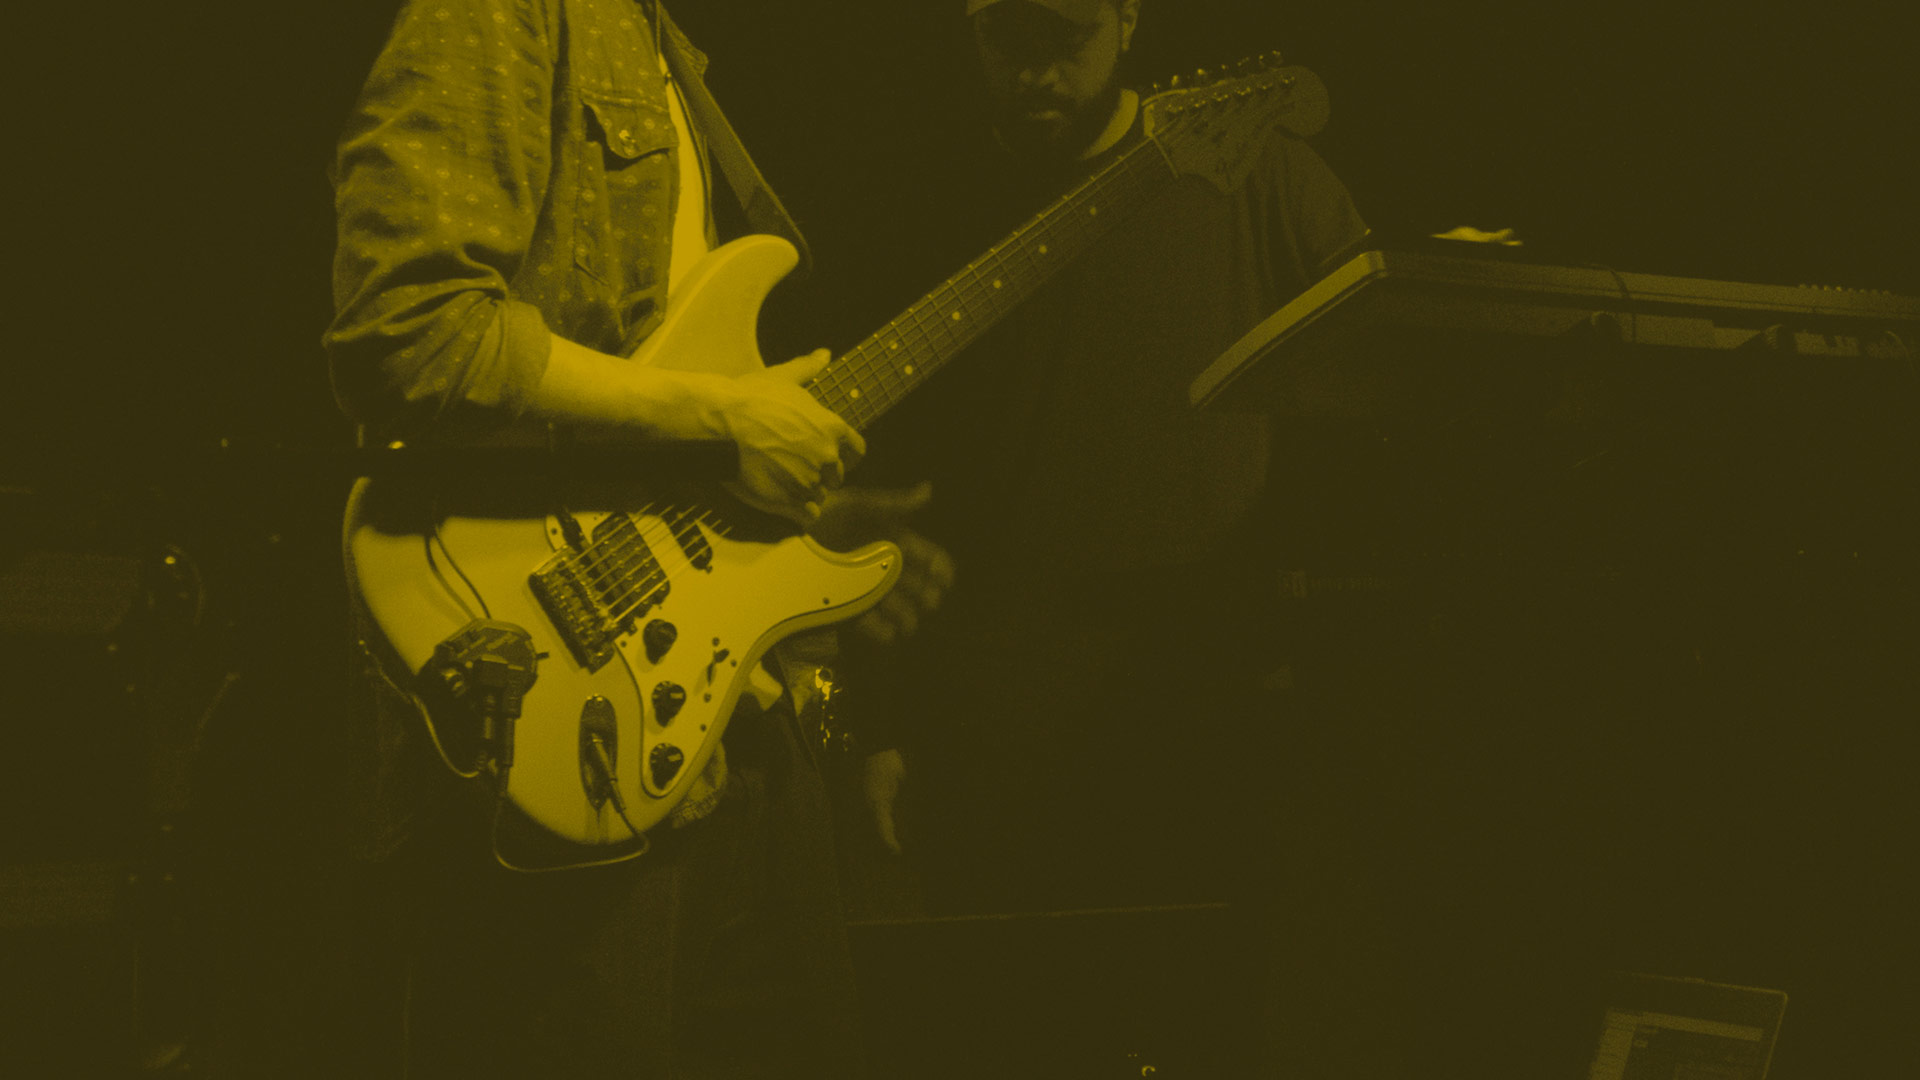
{"x":689,"y":229}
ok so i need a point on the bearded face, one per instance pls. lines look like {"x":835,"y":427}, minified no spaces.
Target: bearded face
{"x":1054,"y":83}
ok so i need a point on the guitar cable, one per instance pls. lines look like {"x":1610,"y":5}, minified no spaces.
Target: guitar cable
{"x":604,"y":762}
{"x":500,"y":857}
{"x":419,"y":707}
{"x":434,"y":537}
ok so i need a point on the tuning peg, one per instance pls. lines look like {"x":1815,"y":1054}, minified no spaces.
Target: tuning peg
{"x":1173,"y":83}
{"x":1274,"y":59}
{"x":1201,"y":78}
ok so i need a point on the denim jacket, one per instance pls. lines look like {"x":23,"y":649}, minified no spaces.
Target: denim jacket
{"x":510,"y":168}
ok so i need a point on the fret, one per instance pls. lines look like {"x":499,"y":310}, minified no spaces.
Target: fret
{"x":877,"y":373}
{"x":947,"y":314}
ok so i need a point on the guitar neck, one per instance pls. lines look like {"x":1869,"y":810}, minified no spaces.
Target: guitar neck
{"x":876,"y":374}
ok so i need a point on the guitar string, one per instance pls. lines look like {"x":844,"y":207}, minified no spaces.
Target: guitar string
{"x":634,"y":607}
{"x":630,"y":603}
{"x":601,"y":574}
{"x":598,"y":571}
{"x":629,"y":547}
{"x":624,"y":605}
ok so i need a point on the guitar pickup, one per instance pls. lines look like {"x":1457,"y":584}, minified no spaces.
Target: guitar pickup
{"x":693,"y":543}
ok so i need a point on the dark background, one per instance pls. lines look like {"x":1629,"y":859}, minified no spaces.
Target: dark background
{"x":172,"y":227}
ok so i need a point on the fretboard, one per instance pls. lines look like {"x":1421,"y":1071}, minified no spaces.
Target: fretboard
{"x":876,"y":374}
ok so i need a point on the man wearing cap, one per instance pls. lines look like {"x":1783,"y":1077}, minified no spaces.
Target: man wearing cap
{"x":1073,"y":706}
{"x":1081,"y":716}
{"x":1084,"y":718}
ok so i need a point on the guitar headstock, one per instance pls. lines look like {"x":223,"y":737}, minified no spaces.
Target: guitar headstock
{"x":1213,"y":125}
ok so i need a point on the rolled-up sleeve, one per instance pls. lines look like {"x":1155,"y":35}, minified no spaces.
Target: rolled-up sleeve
{"x":439,"y":183}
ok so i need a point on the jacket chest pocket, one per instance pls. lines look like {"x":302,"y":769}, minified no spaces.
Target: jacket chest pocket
{"x":623,"y":209}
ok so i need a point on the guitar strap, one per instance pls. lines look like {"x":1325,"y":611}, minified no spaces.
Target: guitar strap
{"x":765,"y":212}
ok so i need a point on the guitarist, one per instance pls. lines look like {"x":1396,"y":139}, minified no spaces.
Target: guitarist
{"x":520,"y":187}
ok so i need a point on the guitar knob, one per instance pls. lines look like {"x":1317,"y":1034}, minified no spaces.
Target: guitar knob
{"x":664,"y":762}
{"x":668,"y":697}
{"x":657,"y":637}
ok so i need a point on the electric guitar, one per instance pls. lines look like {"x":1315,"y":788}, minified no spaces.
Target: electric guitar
{"x":587,"y":647}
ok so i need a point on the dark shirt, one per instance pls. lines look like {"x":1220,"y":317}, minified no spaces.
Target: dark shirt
{"x":1071,"y":701}
{"x":1072,"y":444}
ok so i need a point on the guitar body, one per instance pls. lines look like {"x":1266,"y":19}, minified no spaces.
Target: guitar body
{"x":726,"y":582}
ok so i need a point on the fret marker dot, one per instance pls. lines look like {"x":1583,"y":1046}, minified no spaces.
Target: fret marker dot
{"x":893,"y":345}
{"x":854,"y":393}
{"x":956,"y":316}
{"x":996,"y":283}
{"x":1043,"y":249}
{"x":908,"y":369}
{"x":1092,"y":210}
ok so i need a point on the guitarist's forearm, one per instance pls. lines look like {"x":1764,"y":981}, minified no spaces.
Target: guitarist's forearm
{"x":594,"y":391}
{"x":513,"y":378}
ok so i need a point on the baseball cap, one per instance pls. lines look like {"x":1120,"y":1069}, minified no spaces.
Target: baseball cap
{"x":1083,"y":12}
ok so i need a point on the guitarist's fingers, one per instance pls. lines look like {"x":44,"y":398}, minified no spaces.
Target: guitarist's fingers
{"x":874,"y":628}
{"x":906,"y":615}
{"x":849,"y":447}
{"x":879,"y":626}
{"x":805,"y":369}
{"x":852,"y":446}
{"x":884,"y":504}
{"x":931,"y":565}
{"x":881,"y":776}
{"x":901,"y":614}
{"x":883,"y":821}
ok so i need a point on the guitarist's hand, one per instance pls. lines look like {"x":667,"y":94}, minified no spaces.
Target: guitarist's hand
{"x":858,"y":516}
{"x":880,"y":779}
{"x":792,"y":449}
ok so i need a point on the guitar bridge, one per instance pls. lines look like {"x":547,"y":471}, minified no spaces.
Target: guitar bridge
{"x":564,"y":591}
{"x":596,"y":592}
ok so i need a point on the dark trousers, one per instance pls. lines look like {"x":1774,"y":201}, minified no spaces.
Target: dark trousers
{"x":1080,"y":743}
{"x":719,"y":953}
